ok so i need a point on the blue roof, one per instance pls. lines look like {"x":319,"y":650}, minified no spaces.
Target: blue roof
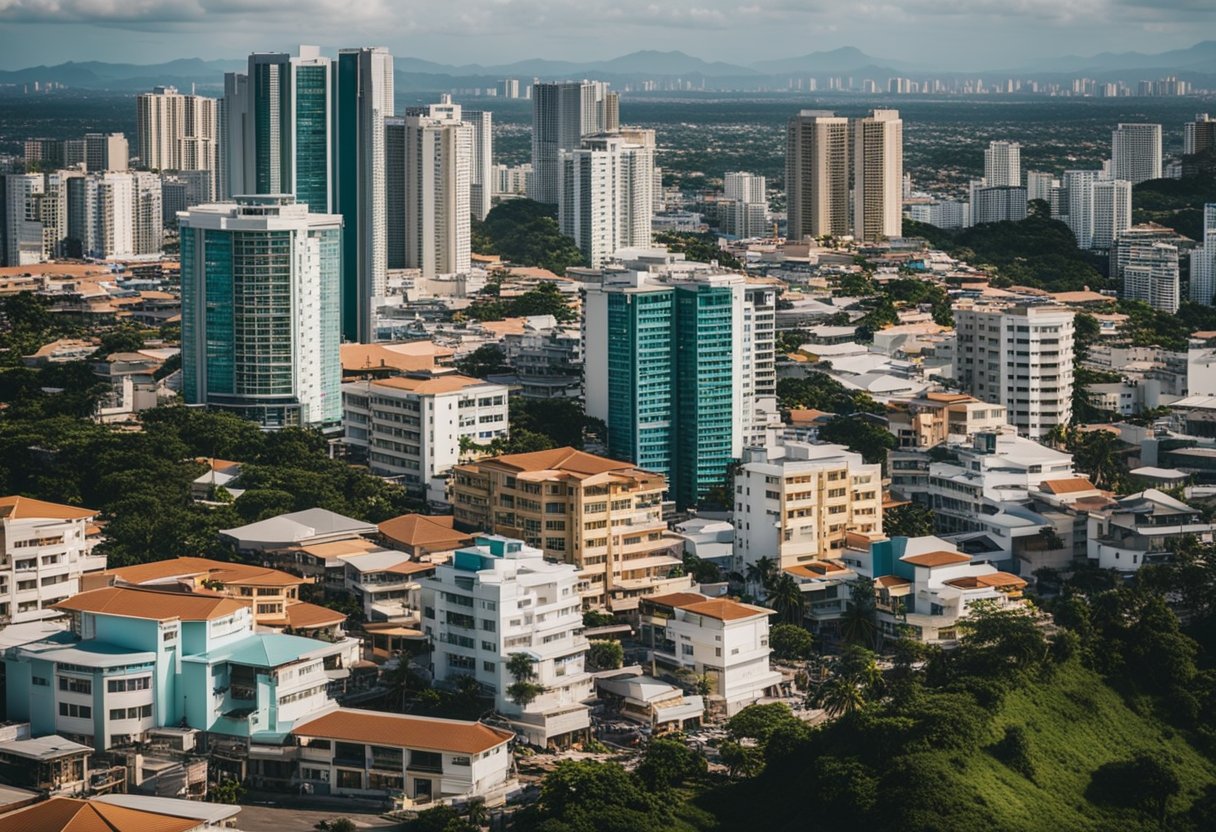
{"x":262,"y":650}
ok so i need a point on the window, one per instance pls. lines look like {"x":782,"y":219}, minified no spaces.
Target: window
{"x":488,"y":646}
{"x":349,"y":752}
{"x":78,"y":711}
{"x":350,"y":779}
{"x":124,"y":685}
{"x":489,"y":667}
{"x":488,"y":625}
{"x":686,"y":649}
{"x":460,"y":761}
{"x":170,"y":635}
{"x":74,"y":685}
{"x":41,"y":681}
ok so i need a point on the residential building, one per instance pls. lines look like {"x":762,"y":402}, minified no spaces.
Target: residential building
{"x":311,"y":527}
{"x":817,"y":175}
{"x":1019,"y":356}
{"x":1003,"y":165}
{"x":878,"y":175}
{"x":429,"y":172}
{"x":744,"y":187}
{"x":290,"y":109}
{"x":1078,"y":208}
{"x":1203,"y":261}
{"x":235,"y":131}
{"x":721,"y":640}
{"x":127,"y":813}
{"x":47,"y":550}
{"x":417,"y":426}
{"x":1136,"y":152}
{"x":605,"y":203}
{"x":1199,"y":135}
{"x":34,"y":217}
{"x":481,"y":169}
{"x":261,"y":281}
{"x":744,"y":220}
{"x":137,"y":660}
{"x":1112,"y":204}
{"x":1139,"y":529}
{"x":363,"y":99}
{"x":422,"y":535}
{"x":102,"y":215}
{"x":49,"y":765}
{"x":945,"y":213}
{"x":500,"y":598}
{"x":1150,"y":274}
{"x":105,"y":152}
{"x":662,"y":706}
{"x":562,"y":113}
{"x":998,"y":204}
{"x":602,"y":515}
{"x":1045,"y":187}
{"x":797,"y":502}
{"x":147,"y":218}
{"x":176,"y":132}
{"x":384,"y":583}
{"x":930,"y":421}
{"x":356,"y":753}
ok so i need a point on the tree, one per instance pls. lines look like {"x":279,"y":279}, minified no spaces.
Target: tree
{"x":226,"y":791}
{"x":760,"y":722}
{"x":1146,"y":782}
{"x":860,"y":621}
{"x":605,"y":655}
{"x":526,"y":233}
{"x":785,"y":596}
{"x":790,"y":642}
{"x":860,"y":436}
{"x":523,"y":691}
{"x":486,"y":360}
{"x":907,"y":520}
{"x":592,"y":796}
{"x":839,"y":696}
{"x":760,"y":572}
{"x":668,"y":762}
{"x":440,"y":818}
{"x":741,"y":760}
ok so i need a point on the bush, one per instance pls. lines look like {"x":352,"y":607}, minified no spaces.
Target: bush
{"x":1013,"y":750}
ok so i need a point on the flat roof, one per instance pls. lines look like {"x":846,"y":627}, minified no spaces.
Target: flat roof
{"x":50,"y":747}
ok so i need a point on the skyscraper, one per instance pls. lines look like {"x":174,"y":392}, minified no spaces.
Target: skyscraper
{"x":260,"y":323}
{"x":744,"y":187}
{"x":235,"y":127}
{"x":997,"y":204}
{"x":147,"y":218}
{"x":817,"y":175}
{"x":21,"y":227}
{"x":481,"y":179}
{"x":606,"y":202}
{"x":1199,"y":136}
{"x":105,"y":151}
{"x":1003,"y":165}
{"x":562,"y":114}
{"x":1151,"y":275}
{"x":1203,"y":261}
{"x":429,"y":171}
{"x":878,"y":174}
{"x":102,"y":214}
{"x":290,"y":109}
{"x":177,"y":132}
{"x":363,"y":99}
{"x":1136,"y":152}
{"x":1112,"y":212}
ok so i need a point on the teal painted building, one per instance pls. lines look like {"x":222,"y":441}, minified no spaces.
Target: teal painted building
{"x":135,"y":660}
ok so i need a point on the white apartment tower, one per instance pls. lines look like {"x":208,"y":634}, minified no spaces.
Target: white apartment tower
{"x":102,"y":215}
{"x":46,"y":548}
{"x":1136,"y":152}
{"x":817,"y":175}
{"x":1003,"y":165}
{"x":1203,"y":261}
{"x":1151,"y":274}
{"x":500,"y":598}
{"x":878,"y":174}
{"x":562,"y":114}
{"x":235,"y":157}
{"x":606,"y":201}
{"x":481,"y":175}
{"x":744,"y":187}
{"x":1112,"y":206}
{"x":1018,"y":355}
{"x":429,"y":172}
{"x":147,"y":218}
{"x":176,"y":131}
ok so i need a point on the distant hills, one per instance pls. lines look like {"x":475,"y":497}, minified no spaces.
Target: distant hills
{"x":1197,"y":62}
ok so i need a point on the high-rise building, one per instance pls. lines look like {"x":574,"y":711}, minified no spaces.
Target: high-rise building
{"x":1112,"y":204}
{"x":1199,"y":136}
{"x":508,"y":88}
{"x":744,"y":187}
{"x":102,"y":215}
{"x":428,"y":169}
{"x":1043,"y":186}
{"x":1136,"y":152}
{"x":363,"y":99}
{"x":176,"y":131}
{"x":1203,"y":261}
{"x":1077,"y":206}
{"x":1151,"y":275}
{"x":1020,"y":356}
{"x":30,"y":214}
{"x":997,"y":204}
{"x":606,"y":201}
{"x":184,"y":189}
{"x":481,"y":175}
{"x":147,"y":218}
{"x":260,"y":311}
{"x":817,"y":175}
{"x":743,"y":212}
{"x":878,"y":175}
{"x":1003,"y":165}
{"x":290,"y":115}
{"x":562,"y":114}
{"x":235,"y":129}
{"x":104,"y":152}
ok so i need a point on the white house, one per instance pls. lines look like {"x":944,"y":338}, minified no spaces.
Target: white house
{"x":46,"y":549}
{"x":1136,"y":529}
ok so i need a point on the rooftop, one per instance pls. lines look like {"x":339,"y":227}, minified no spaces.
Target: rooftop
{"x":299,"y":527}
{"x":934,"y":559}
{"x":65,"y":814}
{"x":404,"y":731}
{"x":429,"y":385}
{"x":722,"y":609}
{"x":1068,"y":485}
{"x":263,"y":650}
{"x":420,"y":530}
{"x":27,"y":508}
{"x":212,"y":570}
{"x":131,"y":602}
{"x":50,"y":747}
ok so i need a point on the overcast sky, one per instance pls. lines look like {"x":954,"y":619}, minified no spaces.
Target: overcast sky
{"x":952,"y":34}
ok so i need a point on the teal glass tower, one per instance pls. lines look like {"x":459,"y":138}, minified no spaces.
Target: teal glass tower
{"x":260,"y":330}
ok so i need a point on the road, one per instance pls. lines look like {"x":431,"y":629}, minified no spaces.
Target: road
{"x":279,"y":819}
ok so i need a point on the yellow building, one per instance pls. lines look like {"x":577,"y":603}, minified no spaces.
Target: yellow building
{"x":602,"y":515}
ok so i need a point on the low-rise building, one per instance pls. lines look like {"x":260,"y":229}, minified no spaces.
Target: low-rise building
{"x":662,"y":706}
{"x":500,"y":598}
{"x":722,"y":640}
{"x":47,"y":548}
{"x":67,"y":814}
{"x":421,"y":535}
{"x":1138,"y":529}
{"x":310,"y":527}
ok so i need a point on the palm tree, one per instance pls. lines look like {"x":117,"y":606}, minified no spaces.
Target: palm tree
{"x":839,"y":696}
{"x":859,"y":624}
{"x":760,"y":573}
{"x":524,"y":690}
{"x":1100,"y":454}
{"x":785,"y":596}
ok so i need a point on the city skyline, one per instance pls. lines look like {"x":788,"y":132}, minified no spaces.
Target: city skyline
{"x":42,"y":32}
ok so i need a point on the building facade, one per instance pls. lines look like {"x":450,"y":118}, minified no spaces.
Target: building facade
{"x":878,"y":176}
{"x":817,"y":175}
{"x":562,"y":113}
{"x":1136,"y":152}
{"x":1003,"y":165}
{"x":605,"y":203}
{"x":176,"y":132}
{"x":47,"y":549}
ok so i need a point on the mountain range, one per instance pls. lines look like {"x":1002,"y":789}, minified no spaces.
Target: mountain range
{"x":1198,"y":61}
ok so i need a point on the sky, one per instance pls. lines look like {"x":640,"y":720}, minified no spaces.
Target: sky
{"x":942,"y":34}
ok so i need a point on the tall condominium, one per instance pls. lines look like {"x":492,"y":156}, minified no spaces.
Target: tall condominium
{"x":260,"y":321}
{"x":1203,"y":261}
{"x":1112,"y":207}
{"x":997,"y":204}
{"x":606,"y":201}
{"x":1003,"y":165}
{"x":744,"y":210}
{"x":481,"y":173}
{"x":34,"y":217}
{"x":363,"y":82}
{"x":1136,"y":152}
{"x":562,"y":114}
{"x":115,"y":215}
{"x":666,"y":370}
{"x":603,"y":515}
{"x":1018,"y":355}
{"x":147,"y":216}
{"x":1199,"y":135}
{"x":106,"y":151}
{"x":235,"y":129}
{"x":1045,"y":187}
{"x":744,"y":187}
{"x":817,"y":175}
{"x":176,"y":131}
{"x":878,"y":175}
{"x":291,"y":111}
{"x":1150,"y":274}
{"x":428,"y":170}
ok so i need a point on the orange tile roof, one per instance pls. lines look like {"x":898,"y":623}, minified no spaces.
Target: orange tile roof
{"x":429,"y":386}
{"x":1070,"y":485}
{"x":357,"y":357}
{"x":410,"y":567}
{"x":1001,"y":579}
{"x":337,"y":548}
{"x":218,"y":464}
{"x":433,"y":533}
{"x":814,"y":568}
{"x":27,"y":508}
{"x":566,"y":459}
{"x":724,"y":609}
{"x":932,"y":559}
{"x":404,"y":731}
{"x":890,"y":581}
{"x":134,"y":602}
{"x":306,"y":616}
{"x":211,"y":570}
{"x":65,"y":814}
{"x":675,"y":599}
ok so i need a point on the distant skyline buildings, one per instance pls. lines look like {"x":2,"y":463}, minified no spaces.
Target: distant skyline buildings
{"x":1003,"y":165}
{"x":562,"y":114}
{"x":1136,"y":152}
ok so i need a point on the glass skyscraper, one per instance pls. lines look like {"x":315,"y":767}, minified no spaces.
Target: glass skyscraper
{"x":260,"y":330}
